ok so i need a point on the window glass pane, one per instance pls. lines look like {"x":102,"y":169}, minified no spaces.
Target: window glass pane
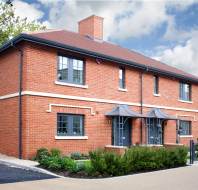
{"x":185,"y":91}
{"x":77,"y":125}
{"x":185,"y":128}
{"x":121,"y":78}
{"x":62,"y":128}
{"x":77,"y":71}
{"x":156,"y":85}
{"x":63,"y":68}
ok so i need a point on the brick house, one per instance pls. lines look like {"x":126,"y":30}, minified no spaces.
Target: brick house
{"x":76,"y":92}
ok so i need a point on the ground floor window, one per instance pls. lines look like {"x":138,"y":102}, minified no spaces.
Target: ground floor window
{"x":185,"y":127}
{"x":70,"y":125}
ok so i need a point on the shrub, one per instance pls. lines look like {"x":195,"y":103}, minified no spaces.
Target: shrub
{"x":137,"y":159}
{"x":106,"y":163}
{"x":55,"y":152}
{"x":69,"y":164}
{"x":76,"y":155}
{"x":42,"y":153}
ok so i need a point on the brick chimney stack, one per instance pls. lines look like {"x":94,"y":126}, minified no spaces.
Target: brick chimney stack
{"x":91,"y":26}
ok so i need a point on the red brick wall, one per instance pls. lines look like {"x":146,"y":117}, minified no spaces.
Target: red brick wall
{"x":39,"y":127}
{"x":9,"y":107}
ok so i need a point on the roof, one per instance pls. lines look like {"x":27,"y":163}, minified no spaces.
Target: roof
{"x":103,"y":50}
{"x":158,"y":113}
{"x":123,"y":110}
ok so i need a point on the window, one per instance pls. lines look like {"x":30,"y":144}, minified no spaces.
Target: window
{"x":70,"y":125}
{"x":156,"y":85}
{"x":185,"y":91}
{"x":70,"y":70}
{"x":121,"y":78}
{"x":185,"y":127}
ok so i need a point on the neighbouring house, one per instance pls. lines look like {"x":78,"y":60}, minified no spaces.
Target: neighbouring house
{"x":77,"y":92}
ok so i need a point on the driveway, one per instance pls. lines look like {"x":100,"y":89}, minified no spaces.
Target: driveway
{"x":12,"y":174}
{"x":184,"y":178}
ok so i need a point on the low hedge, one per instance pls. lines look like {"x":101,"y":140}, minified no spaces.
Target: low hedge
{"x":137,"y":159}
{"x":105,"y":163}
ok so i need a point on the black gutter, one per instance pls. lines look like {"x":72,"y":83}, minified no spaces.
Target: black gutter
{"x":49,"y":43}
{"x":20,"y":100}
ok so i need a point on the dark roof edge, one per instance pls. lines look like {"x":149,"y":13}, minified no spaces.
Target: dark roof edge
{"x":50,"y":43}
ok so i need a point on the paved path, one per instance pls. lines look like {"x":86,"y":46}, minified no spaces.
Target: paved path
{"x":185,"y":178}
{"x":12,"y":174}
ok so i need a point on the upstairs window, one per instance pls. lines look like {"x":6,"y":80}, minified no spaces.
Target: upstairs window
{"x":185,"y":91}
{"x":185,"y":127}
{"x":156,"y":85}
{"x":70,"y":125}
{"x":122,"y":77}
{"x":70,"y":70}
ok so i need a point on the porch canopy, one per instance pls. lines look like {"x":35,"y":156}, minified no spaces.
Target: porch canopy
{"x":124,"y":111}
{"x":159,"y":114}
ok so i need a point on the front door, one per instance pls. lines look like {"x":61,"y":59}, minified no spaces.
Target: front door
{"x":121,"y":131}
{"x":155,"y":131}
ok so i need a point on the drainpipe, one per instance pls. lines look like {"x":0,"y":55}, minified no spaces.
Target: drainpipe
{"x":141,"y":105}
{"x":20,"y":100}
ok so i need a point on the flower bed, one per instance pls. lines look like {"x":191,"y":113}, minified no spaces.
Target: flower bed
{"x":105,"y":164}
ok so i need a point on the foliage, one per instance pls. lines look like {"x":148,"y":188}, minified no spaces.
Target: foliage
{"x":42,"y":153}
{"x":54,"y":161}
{"x":79,"y":156}
{"x":137,"y":159}
{"x":55,"y":152}
{"x":12,"y":25}
{"x":104,"y":163}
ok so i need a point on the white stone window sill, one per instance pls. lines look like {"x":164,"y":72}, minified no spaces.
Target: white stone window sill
{"x":157,"y":95}
{"x":70,"y":84}
{"x":122,"y":89}
{"x":185,"y":136}
{"x":115,"y":146}
{"x":71,"y":137}
{"x":185,"y":101}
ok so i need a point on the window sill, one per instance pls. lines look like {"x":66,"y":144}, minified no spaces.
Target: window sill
{"x":157,"y":95}
{"x":71,"y":137}
{"x":70,"y":84}
{"x":185,"y":136}
{"x":185,"y":101}
{"x":122,"y":89}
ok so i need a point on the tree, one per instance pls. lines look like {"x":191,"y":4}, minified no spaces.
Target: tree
{"x":12,"y":25}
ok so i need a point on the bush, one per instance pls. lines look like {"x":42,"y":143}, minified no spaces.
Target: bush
{"x":42,"y":153}
{"x":76,"y":155}
{"x":137,"y":159}
{"x":79,"y":156}
{"x":55,"y":152}
{"x":54,"y":161}
{"x":106,"y":163}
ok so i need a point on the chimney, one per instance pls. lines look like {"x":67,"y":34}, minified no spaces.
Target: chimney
{"x":91,"y":26}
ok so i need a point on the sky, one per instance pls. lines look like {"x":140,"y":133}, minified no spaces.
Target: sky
{"x":166,"y":30}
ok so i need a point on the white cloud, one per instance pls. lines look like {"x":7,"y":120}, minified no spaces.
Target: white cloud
{"x":184,"y":56}
{"x":123,"y":19}
{"x":26,"y":10}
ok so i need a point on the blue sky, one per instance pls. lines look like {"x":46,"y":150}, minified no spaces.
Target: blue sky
{"x":164,"y":30}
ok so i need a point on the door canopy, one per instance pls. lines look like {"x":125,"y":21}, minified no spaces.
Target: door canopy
{"x":123,"y":110}
{"x":159,"y":114}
